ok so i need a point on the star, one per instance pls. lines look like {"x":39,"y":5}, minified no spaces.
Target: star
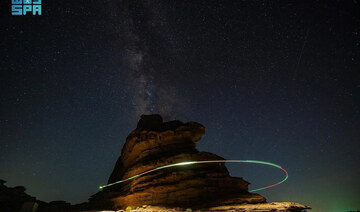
{"x":229,"y":66}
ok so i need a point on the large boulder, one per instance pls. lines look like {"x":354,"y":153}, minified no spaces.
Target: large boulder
{"x":155,"y":143}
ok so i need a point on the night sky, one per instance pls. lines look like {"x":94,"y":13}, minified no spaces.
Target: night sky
{"x":272,"y":81}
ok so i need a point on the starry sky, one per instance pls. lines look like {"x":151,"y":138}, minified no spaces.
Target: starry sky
{"x":270,"y":80}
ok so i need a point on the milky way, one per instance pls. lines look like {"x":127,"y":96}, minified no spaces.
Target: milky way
{"x":141,"y":30}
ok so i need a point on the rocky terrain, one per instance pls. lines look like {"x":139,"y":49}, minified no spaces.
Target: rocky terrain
{"x":15,"y":199}
{"x":12,"y":199}
{"x":261,"y":207}
{"x":154,"y":143}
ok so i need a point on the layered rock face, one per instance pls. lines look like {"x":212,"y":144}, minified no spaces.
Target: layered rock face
{"x":155,"y":143}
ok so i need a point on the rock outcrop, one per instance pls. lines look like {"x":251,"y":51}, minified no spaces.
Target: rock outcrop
{"x":155,"y":143}
{"x":12,"y":199}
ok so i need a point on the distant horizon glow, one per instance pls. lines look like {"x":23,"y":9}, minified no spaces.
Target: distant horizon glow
{"x":208,"y":161}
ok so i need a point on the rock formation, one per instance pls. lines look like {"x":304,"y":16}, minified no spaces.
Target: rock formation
{"x":15,"y":199}
{"x":12,"y":199}
{"x":155,"y":143}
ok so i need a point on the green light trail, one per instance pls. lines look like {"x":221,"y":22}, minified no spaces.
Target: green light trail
{"x":208,"y":161}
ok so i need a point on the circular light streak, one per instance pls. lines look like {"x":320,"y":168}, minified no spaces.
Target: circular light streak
{"x":207,"y":161}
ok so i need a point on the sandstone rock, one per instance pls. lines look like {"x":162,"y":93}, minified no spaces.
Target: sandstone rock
{"x":155,"y":143}
{"x":199,"y":187}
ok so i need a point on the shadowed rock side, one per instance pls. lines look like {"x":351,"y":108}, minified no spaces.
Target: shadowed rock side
{"x":155,"y":143}
{"x":12,"y":199}
{"x":16,"y":199}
